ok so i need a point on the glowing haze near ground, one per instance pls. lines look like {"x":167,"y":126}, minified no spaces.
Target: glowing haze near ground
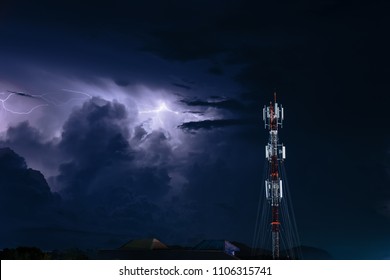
{"x":143,"y":119}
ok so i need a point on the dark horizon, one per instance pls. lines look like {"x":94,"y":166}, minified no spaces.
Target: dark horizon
{"x":154,"y":249}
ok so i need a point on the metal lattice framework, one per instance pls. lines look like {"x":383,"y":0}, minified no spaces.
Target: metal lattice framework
{"x":275,"y":153}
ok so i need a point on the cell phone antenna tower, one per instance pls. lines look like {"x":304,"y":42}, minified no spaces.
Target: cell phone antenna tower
{"x":275,"y":153}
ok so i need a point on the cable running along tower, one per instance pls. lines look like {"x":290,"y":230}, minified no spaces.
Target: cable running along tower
{"x":275,"y":153}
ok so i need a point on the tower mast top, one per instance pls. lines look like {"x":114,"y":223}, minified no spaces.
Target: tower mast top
{"x":273,"y":115}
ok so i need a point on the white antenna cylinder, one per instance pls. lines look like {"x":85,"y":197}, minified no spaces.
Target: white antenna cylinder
{"x":281,"y":188}
{"x":276,"y":110}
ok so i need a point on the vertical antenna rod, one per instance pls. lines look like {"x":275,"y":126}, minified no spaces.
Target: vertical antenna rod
{"x":273,"y":117}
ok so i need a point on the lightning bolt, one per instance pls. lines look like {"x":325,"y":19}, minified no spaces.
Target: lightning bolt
{"x":44,"y":97}
{"x":3,"y":104}
{"x":79,"y":92}
{"x":163,"y":108}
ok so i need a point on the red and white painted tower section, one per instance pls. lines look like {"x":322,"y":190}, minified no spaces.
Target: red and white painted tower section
{"x":275,"y":153}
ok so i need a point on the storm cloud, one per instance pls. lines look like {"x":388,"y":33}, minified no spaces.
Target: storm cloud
{"x":115,"y":180}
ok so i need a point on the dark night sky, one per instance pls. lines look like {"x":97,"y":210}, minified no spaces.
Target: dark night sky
{"x":146,"y":121}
